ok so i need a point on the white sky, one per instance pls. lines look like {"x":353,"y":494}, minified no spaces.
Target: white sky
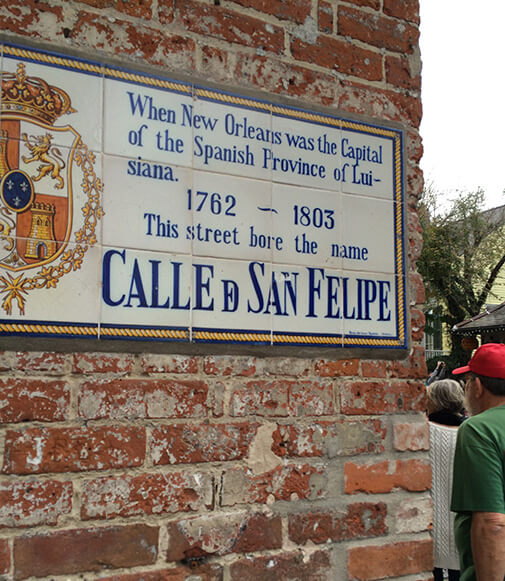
{"x":463,"y":83}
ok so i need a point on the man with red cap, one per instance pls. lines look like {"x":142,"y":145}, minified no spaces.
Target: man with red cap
{"x":478,"y":492}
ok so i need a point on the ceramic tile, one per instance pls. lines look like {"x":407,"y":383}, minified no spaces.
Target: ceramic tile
{"x":231,"y":139}
{"x":308,"y":222}
{"x":368,"y":240}
{"x":60,"y":287}
{"x":64,"y":199}
{"x":368,"y":165}
{"x":308,"y":153}
{"x":82,"y":97}
{"x":310,"y":300}
{"x":143,"y":211}
{"x":146,"y":123}
{"x":150,"y":289}
{"x":231,"y":294}
{"x":231,"y":217}
{"x":371,"y":305}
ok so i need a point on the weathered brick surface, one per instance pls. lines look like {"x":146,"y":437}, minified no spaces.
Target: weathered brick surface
{"x":329,"y":439}
{"x":325,"y":17}
{"x":407,"y":9}
{"x":377,"y":30}
{"x":152,"y":363}
{"x":5,"y":556}
{"x":38,"y":450}
{"x":74,"y":551}
{"x":337,"y":368}
{"x":230,"y":26}
{"x":315,"y":567}
{"x":282,"y":398}
{"x":149,"y":398}
{"x":146,"y":494}
{"x":295,"y":10}
{"x":50,"y":363}
{"x":191,"y":443}
{"x":411,"y":475}
{"x":414,"y":515}
{"x":357,"y":521}
{"x":90,"y":363}
{"x":33,"y":399}
{"x":197,"y":570}
{"x":377,"y":397}
{"x":135,"y":8}
{"x":288,"y":482}
{"x":411,"y":436}
{"x":32,"y":503}
{"x":223,"y":534}
{"x":368,"y":563}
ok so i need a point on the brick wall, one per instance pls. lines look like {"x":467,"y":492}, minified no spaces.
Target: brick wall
{"x":145,"y":466}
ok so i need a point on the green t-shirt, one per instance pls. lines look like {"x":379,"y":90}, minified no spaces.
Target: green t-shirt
{"x":479,"y":478}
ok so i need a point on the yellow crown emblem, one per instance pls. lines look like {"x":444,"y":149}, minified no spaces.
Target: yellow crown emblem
{"x":32,"y":97}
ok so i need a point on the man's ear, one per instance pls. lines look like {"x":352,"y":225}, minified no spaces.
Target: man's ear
{"x":479,"y":388}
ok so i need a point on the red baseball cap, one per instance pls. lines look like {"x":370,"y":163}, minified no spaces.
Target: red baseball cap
{"x":488,"y":360}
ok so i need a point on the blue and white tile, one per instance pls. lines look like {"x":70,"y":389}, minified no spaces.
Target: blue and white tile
{"x":367,"y":164}
{"x":148,"y":123}
{"x":62,"y":288}
{"x":231,"y":139}
{"x":371,"y":305}
{"x":231,"y":294}
{"x":307,"y":154}
{"x":84,"y":91}
{"x":231,"y":217}
{"x":149,"y":289}
{"x":308,"y":222}
{"x":307,"y":301}
{"x":368,"y":235}
{"x":143,"y":211}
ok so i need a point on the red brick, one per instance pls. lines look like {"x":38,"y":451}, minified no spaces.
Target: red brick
{"x":197,"y":570}
{"x":282,"y":398}
{"x":329,"y":439}
{"x":224,"y":365}
{"x":417,"y":291}
{"x":125,"y":38}
{"x":146,"y":494}
{"x":399,"y":73}
{"x":373,"y":368}
{"x":241,"y":485}
{"x":80,"y":550}
{"x":374,"y":397}
{"x":412,"y":368}
{"x":142,"y":398}
{"x":38,"y":450}
{"x":30,"y":503}
{"x":42,"y":400}
{"x":411,"y":475}
{"x":154,"y":363}
{"x":5,"y":556}
{"x":375,"y":4}
{"x":417,"y":320}
{"x":413,"y":437}
{"x":364,"y":519}
{"x":215,"y":63}
{"x":166,"y":11}
{"x":294,"y":10}
{"x":192,"y":443}
{"x":376,"y":102}
{"x":337,"y":368}
{"x":233,"y":27}
{"x":339,"y":56}
{"x":325,"y":17}
{"x":223,"y":534}
{"x":313,"y":567}
{"x":89,"y":363}
{"x":36,"y":18}
{"x":407,"y":9}
{"x":135,"y":8}
{"x":370,"y":563}
{"x":49,"y":363}
{"x":377,"y":30}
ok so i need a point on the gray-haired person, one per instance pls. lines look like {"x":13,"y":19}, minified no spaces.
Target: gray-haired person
{"x":445,"y":413}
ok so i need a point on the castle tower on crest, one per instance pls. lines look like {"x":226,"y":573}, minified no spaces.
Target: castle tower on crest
{"x":41,"y":243}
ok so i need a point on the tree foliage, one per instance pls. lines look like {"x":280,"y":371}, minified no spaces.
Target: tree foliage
{"x":463,"y":253}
